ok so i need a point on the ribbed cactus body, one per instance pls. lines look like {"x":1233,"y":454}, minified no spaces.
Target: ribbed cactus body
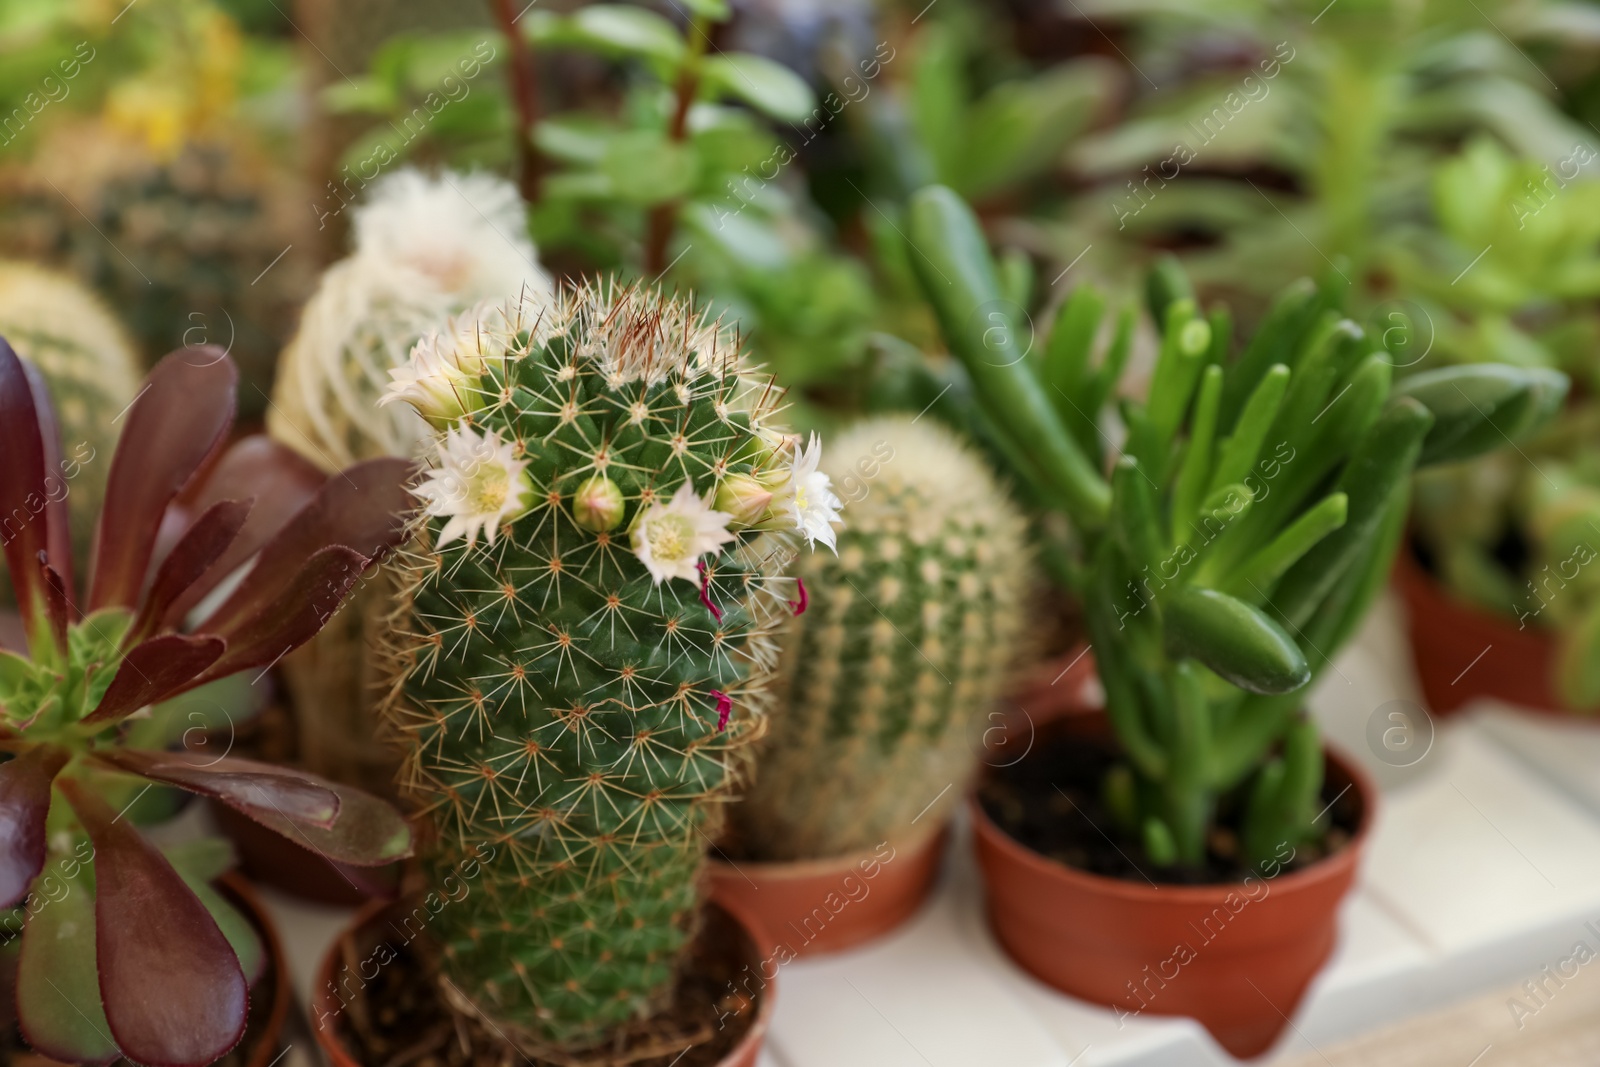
{"x":64,"y":330}
{"x":909,"y":638}
{"x":560,"y":708}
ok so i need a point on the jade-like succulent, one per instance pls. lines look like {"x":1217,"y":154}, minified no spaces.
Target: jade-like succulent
{"x":1239,"y":537}
{"x":911,"y":632}
{"x":586,"y":650}
{"x":127,"y":949}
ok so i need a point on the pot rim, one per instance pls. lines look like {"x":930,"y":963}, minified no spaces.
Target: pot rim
{"x":1322,"y":870}
{"x":331,"y":1038}
{"x":810,"y":869}
{"x":244,"y":894}
{"x":1409,"y":572}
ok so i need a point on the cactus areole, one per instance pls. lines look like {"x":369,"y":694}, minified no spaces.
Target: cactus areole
{"x":126,"y":949}
{"x":585,"y":653}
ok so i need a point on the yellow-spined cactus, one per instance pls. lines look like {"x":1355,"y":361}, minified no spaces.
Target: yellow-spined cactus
{"x":909,"y":637}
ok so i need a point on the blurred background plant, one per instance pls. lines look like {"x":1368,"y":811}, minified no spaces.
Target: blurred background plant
{"x":149,"y":151}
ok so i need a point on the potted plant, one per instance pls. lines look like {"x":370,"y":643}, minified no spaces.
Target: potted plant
{"x":1250,"y":518}
{"x":127,"y":949}
{"x":888,"y":680}
{"x":1501,"y":599}
{"x":581,"y":663}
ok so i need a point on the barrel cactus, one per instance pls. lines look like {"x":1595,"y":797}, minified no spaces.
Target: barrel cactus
{"x":83,"y":353}
{"x":425,"y":249}
{"x":910,"y":633}
{"x":587,"y":642}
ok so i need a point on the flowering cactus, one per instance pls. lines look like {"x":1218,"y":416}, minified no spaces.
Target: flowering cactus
{"x":588,"y":645}
{"x":127,"y":950}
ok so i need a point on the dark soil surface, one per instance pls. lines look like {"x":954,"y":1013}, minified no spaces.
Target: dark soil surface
{"x":399,"y":1020}
{"x":1051,"y":803}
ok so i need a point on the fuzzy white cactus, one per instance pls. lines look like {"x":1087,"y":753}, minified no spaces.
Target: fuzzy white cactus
{"x":426,"y":250}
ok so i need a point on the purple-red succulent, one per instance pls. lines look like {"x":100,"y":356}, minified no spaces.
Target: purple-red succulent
{"x":208,"y":561}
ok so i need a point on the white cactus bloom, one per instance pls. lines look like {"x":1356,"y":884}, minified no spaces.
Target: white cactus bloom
{"x":478,"y":484}
{"x":812,"y":503}
{"x":443,"y":377}
{"x":670,"y":538}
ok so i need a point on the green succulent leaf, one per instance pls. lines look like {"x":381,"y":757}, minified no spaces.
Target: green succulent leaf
{"x":768,"y":86}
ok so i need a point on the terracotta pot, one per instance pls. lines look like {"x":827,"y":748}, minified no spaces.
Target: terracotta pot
{"x":326,"y":1008}
{"x":1463,"y":652}
{"x":1060,"y":686}
{"x":1236,"y":957}
{"x":269,"y":858}
{"x":812,"y":907}
{"x":264,"y":1045}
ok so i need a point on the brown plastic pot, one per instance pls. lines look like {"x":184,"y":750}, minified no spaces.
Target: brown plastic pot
{"x":1236,"y":957}
{"x":1463,"y":652}
{"x":812,"y":907}
{"x":268,"y":858}
{"x":327,"y":1009}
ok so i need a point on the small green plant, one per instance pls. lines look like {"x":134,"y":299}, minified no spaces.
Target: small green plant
{"x":586,"y":650}
{"x":908,"y":638}
{"x":1242,"y":532}
{"x":127,"y":950}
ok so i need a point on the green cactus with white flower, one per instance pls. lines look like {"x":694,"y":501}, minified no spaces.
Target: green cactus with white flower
{"x":587,"y":643}
{"x":910,"y":634}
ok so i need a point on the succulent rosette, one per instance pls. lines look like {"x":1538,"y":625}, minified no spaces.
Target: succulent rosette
{"x":126,"y":949}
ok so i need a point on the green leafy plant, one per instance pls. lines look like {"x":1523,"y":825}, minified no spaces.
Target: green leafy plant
{"x":1244,"y":528}
{"x":102,"y":912}
{"x":909,"y":634}
{"x":586,"y":650}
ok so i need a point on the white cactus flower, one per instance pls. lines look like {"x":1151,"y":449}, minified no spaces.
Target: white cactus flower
{"x":443,"y":378}
{"x":478,"y":484}
{"x":812,"y":503}
{"x":670,"y":538}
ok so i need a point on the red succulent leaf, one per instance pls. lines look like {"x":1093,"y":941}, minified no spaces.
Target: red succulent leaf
{"x":280,"y":480}
{"x":154,"y":670}
{"x":173,"y":991}
{"x":364,"y":507}
{"x":24,"y":803}
{"x":173,"y":426}
{"x":301,"y":606}
{"x":57,"y":605}
{"x":368,"y":832}
{"x":24,"y":516}
{"x":58,"y":530}
{"x":240,"y":783}
{"x":200,"y":547}
{"x":58,"y":986}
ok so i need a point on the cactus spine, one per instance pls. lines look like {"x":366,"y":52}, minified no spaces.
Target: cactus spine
{"x":564,"y":712}
{"x":90,"y":366}
{"x":425,"y":249}
{"x":911,"y":632}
